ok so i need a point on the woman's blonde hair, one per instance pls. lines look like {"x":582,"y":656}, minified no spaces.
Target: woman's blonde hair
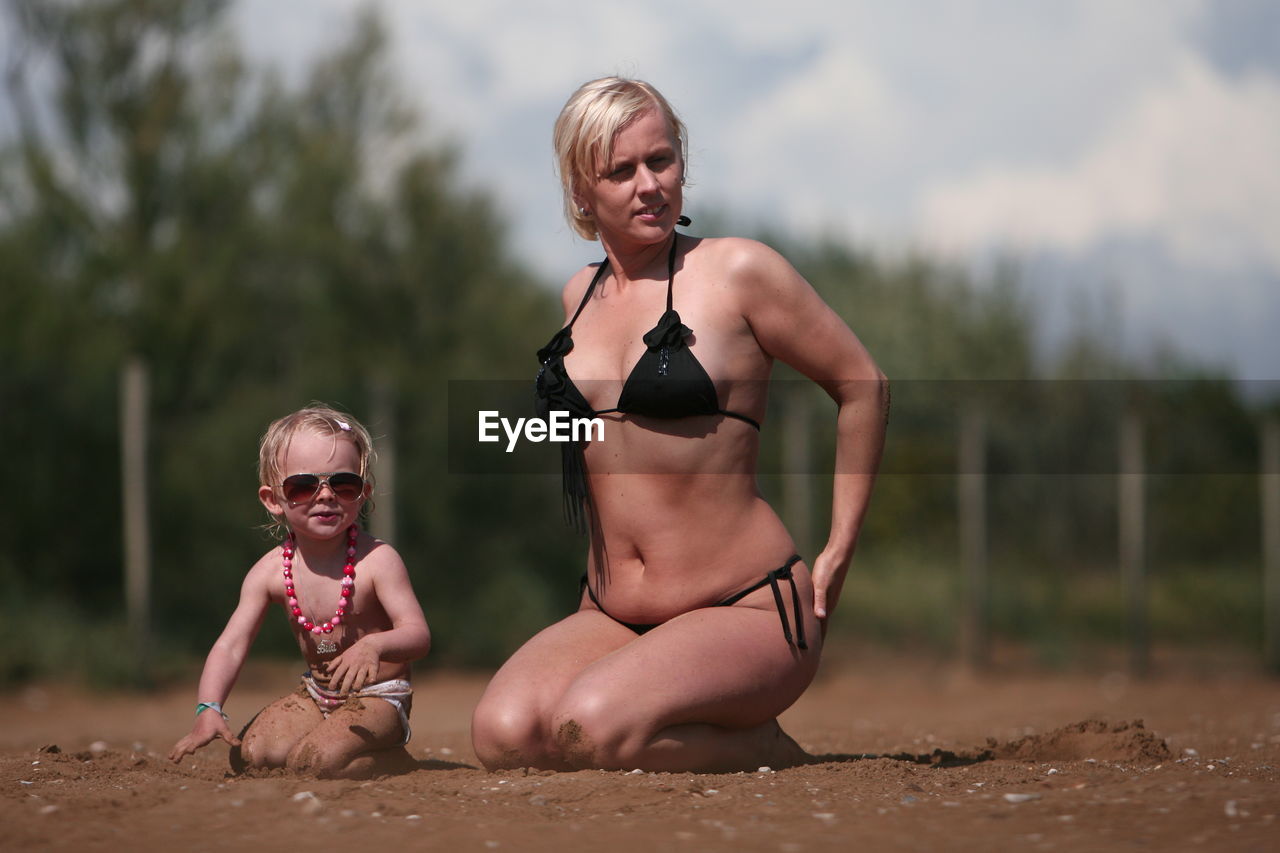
{"x":323,"y":420}
{"x":585,"y":130}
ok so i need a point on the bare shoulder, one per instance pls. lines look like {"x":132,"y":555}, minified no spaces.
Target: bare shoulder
{"x":752,"y":269}
{"x":377,"y":559}
{"x":386,"y":575}
{"x":576,"y":287}
{"x":265,"y":569}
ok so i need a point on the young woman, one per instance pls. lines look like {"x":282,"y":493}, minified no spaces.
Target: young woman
{"x":698,"y":622}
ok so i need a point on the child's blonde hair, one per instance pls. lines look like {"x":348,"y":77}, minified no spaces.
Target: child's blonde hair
{"x":321,"y":419}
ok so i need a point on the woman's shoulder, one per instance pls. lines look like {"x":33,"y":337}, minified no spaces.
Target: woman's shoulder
{"x":572,"y":292}
{"x":733,"y":248}
{"x":744,"y":263}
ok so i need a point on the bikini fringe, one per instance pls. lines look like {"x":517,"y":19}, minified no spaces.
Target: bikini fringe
{"x":574,"y":486}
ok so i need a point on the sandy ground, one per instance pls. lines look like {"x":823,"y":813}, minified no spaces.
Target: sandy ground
{"x":921,"y":757}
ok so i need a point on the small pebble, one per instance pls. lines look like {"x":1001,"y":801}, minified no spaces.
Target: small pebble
{"x":1021,"y":798}
{"x":764,"y":769}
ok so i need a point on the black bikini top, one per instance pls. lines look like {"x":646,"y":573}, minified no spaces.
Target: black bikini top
{"x":667,"y":382}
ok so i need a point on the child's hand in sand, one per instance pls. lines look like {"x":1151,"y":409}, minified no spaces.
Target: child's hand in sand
{"x":354,"y":668}
{"x":209,"y":725}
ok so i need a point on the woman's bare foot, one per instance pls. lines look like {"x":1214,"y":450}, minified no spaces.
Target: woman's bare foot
{"x":786,"y":752}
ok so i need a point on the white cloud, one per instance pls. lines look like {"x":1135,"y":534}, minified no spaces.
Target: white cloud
{"x":799,"y":153}
{"x":1059,"y":126}
{"x":1195,"y":163}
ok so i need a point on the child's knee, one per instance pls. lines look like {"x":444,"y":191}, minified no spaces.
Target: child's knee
{"x":313,"y":758}
{"x":305,"y":757}
{"x":257,"y":753}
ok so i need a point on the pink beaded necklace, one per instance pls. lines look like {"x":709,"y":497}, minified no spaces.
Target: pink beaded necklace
{"x":348,"y":586}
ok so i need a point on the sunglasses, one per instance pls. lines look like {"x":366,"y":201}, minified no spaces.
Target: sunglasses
{"x":300,"y":488}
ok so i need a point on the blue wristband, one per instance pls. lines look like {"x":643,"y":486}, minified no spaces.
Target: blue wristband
{"x":201,"y":707}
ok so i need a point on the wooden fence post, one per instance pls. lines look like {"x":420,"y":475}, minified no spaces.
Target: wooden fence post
{"x":1269,"y":482}
{"x":797,"y":467}
{"x":382,"y":523}
{"x":134,"y":402}
{"x":1132,"y":523}
{"x":971,"y":510}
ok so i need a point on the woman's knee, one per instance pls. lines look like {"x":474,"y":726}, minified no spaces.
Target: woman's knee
{"x":592,"y":729}
{"x":507,"y":733}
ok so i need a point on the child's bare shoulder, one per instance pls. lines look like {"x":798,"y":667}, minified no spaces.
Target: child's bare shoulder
{"x":382,"y":567}
{"x":377,"y":555}
{"x":263,"y":572}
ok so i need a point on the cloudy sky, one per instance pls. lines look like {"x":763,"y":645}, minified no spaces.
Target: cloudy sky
{"x":1127,"y":152}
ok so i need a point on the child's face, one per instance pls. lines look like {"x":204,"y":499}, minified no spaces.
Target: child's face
{"x":324,"y":515}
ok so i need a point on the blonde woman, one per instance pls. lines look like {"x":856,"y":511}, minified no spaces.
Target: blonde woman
{"x":698,"y":623}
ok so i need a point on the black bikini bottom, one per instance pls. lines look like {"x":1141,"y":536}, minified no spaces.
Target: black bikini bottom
{"x":771,"y":579}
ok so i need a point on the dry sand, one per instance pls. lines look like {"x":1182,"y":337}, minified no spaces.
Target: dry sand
{"x":920,"y":757}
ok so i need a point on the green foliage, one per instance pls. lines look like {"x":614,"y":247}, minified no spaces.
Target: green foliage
{"x":259,"y":246}
{"x":906,"y":597}
{"x":951,"y":344}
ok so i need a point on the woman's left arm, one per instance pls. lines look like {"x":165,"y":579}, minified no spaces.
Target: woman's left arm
{"x":792,"y":323}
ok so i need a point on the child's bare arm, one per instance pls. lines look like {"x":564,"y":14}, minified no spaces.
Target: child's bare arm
{"x":408,"y":639}
{"x":222,"y":666}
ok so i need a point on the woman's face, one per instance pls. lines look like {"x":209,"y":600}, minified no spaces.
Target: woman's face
{"x":637,"y":195}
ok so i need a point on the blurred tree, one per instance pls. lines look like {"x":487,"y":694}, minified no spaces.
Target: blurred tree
{"x":257,"y":246}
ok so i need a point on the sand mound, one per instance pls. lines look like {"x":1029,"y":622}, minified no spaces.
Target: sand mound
{"x":1087,"y":739}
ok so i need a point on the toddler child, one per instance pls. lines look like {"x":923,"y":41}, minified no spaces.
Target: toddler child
{"x":350,"y":606}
